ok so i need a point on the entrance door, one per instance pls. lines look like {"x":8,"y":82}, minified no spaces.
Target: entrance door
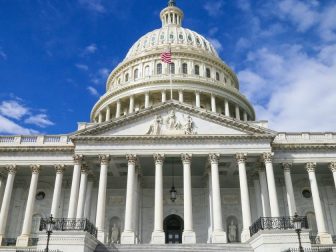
{"x":173,"y":227}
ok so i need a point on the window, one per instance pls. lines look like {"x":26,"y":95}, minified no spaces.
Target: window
{"x":147,"y":71}
{"x":159,"y":68}
{"x":208,"y":73}
{"x":306,"y":193}
{"x":172,"y":68}
{"x":185,"y":68}
{"x":197,"y":69}
{"x":136,"y":74}
{"x":217,"y":76}
{"x":126,"y":77}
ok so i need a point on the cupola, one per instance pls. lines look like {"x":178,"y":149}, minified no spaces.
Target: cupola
{"x":171,"y":15}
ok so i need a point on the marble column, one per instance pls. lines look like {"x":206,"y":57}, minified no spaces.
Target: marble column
{"x":101,"y":202}
{"x":237,"y":112}
{"x":244,"y":195}
{"x":188,"y":236}
{"x":273,"y":197}
{"x":100,"y":117}
{"x":2,"y":186}
{"x":158,"y":235}
{"x":322,"y":233}
{"x":135,"y":206}
{"x":198,"y":99}
{"x":75,"y":186}
{"x":88,"y":199}
{"x":218,"y":234}
{"x":118,"y":109}
{"x":226,"y":107}
{"x":163,"y":96}
{"x":128,"y":236}
{"x":332,"y":167}
{"x":82,"y":192}
{"x":147,"y":100}
{"x":6,"y":200}
{"x":289,"y":189}
{"x":213,"y":103}
{"x":180,"y":92}
{"x":131,"y":104}
{"x":23,"y":239}
{"x":257,"y":192}
{"x":265,"y":203}
{"x":245,"y":116}
{"x":210,"y":228}
{"x":57,"y":191}
{"x":108,"y":114}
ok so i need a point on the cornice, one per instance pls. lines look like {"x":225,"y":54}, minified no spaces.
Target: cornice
{"x":36,"y":149}
{"x":301,"y":146}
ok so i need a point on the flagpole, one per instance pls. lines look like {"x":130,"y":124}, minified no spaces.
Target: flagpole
{"x":170,"y":76}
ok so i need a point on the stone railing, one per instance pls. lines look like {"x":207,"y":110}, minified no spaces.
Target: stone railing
{"x":309,"y":250}
{"x":35,"y":140}
{"x":276,"y":223}
{"x":305,"y":137}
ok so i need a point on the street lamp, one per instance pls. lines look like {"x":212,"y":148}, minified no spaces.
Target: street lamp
{"x":297,"y":221}
{"x":50,"y":227}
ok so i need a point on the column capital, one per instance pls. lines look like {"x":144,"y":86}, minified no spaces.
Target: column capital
{"x":213,"y":158}
{"x":35,"y":169}
{"x":59,"y":169}
{"x":85,"y":169}
{"x":268,"y":157}
{"x":78,"y":159}
{"x":332,"y":166}
{"x":260,"y":166}
{"x":241,"y":157}
{"x":186,"y":158}
{"x":11,"y":169}
{"x":310,"y":167}
{"x":159,"y":158}
{"x":131,"y":158}
{"x":104,"y":159}
{"x":287,"y":167}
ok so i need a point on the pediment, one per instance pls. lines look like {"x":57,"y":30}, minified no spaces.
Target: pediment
{"x":173,"y":119}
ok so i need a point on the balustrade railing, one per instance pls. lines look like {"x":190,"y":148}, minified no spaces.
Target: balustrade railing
{"x":8,"y":242}
{"x":36,"y":250}
{"x":64,"y":224}
{"x":309,"y":250}
{"x":276,"y":223}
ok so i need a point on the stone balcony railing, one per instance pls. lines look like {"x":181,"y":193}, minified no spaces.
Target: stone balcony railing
{"x":54,"y":140}
{"x":287,"y":138}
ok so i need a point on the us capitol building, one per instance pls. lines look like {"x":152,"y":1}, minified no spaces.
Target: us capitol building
{"x":172,"y":159}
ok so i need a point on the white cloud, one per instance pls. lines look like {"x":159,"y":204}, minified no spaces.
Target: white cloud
{"x":82,"y":67}
{"x":3,"y":55}
{"x":93,"y":5}
{"x":214,"y":8}
{"x":296,"y":92}
{"x":92,"y":91}
{"x":216,"y":44}
{"x":90,"y":49}
{"x":40,"y":120}
{"x":9,"y":127}
{"x":244,"y":5}
{"x":13,"y":109}
{"x":103,"y":72}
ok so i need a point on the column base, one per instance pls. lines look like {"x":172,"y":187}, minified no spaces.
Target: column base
{"x":325,"y":238}
{"x":22,"y":241}
{"x":245,"y":235}
{"x":218,"y":237}
{"x":101,"y":236}
{"x":1,"y":238}
{"x":188,"y":237}
{"x":127,"y":237}
{"x":158,"y":237}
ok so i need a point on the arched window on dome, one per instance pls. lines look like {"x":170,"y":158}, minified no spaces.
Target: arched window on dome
{"x":159,"y":68}
{"x":126,"y":77}
{"x":172,"y":68}
{"x":208,"y":73}
{"x":136,"y":74}
{"x":197,"y":72}
{"x":217,"y":76}
{"x":146,"y":71}
{"x":185,"y":68}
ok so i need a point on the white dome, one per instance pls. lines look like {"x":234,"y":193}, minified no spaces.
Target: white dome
{"x":174,"y":36}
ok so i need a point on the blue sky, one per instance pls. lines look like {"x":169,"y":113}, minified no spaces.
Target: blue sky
{"x":55,"y":56}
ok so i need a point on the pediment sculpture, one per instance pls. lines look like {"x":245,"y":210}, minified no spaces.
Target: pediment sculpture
{"x":170,"y":125}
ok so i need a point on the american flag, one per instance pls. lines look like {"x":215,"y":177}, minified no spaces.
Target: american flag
{"x":166,"y":57}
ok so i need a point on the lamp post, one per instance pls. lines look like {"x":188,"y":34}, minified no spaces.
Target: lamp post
{"x":50,"y":227}
{"x":172,"y":190}
{"x":297,"y":221}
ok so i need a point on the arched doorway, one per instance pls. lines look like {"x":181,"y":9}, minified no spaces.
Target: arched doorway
{"x":173,"y":227}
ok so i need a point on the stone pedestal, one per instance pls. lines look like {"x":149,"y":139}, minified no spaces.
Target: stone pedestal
{"x":245,"y":235}
{"x":158,"y":237}
{"x":22,"y":241}
{"x":325,"y":238}
{"x":127,"y":238}
{"x":188,"y":237}
{"x":218,"y":237}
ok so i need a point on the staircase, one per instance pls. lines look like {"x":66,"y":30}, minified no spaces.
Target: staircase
{"x":177,"y":247}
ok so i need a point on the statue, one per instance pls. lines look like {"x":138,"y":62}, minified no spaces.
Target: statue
{"x":232,"y":232}
{"x":171,"y":121}
{"x":188,"y":127}
{"x":155,"y":127}
{"x":115,"y":234}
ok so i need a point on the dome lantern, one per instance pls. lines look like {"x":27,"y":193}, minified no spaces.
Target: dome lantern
{"x":171,"y":15}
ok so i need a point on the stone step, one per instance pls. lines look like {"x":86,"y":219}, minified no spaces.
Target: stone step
{"x":177,"y":247}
